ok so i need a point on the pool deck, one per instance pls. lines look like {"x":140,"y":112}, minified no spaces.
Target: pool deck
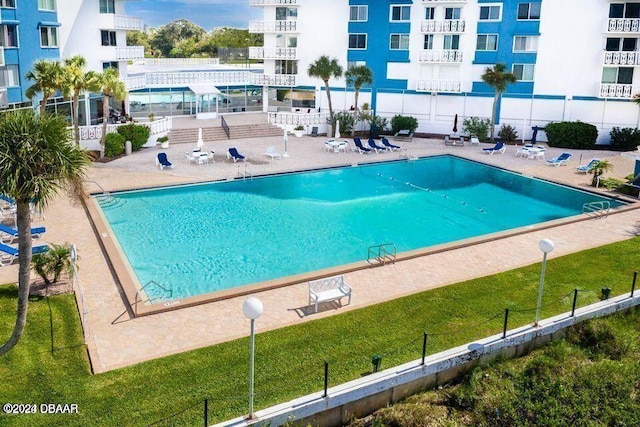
{"x":116,"y":339}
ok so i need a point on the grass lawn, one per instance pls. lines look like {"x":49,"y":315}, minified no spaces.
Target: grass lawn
{"x":49,"y":365}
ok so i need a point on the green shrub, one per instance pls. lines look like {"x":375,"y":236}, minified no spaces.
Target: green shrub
{"x":346,"y":121}
{"x":137,"y":134}
{"x":624,"y":139}
{"x":55,"y":262}
{"x":113,"y":145}
{"x":399,"y":123}
{"x":477,"y":126}
{"x":508,"y":133}
{"x":571,"y":135}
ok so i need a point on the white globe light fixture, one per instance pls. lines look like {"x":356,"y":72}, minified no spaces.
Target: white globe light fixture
{"x":252,"y":309}
{"x":545,"y":246}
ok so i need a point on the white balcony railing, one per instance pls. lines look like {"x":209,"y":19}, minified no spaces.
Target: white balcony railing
{"x":298,"y":119}
{"x":136,"y":82}
{"x":617,"y":91}
{"x":125,"y":22}
{"x":624,"y":25}
{"x":273,"y":26}
{"x":94,"y":132}
{"x":450,"y":56}
{"x":2,"y":56}
{"x":129,"y":53}
{"x":179,"y":62}
{"x":621,"y":58}
{"x":273,"y":53}
{"x":273,"y":2}
{"x":447,"y":26}
{"x":438,"y":86}
{"x":192,"y":77}
{"x":444,"y":1}
{"x":272,"y":79}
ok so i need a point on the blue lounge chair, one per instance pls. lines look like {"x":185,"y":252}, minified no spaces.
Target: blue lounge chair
{"x":588,"y":167}
{"x":233,"y":154}
{"x":561,"y":160}
{"x":11,"y":234}
{"x":9,"y":253}
{"x":7,"y":199}
{"x":498,"y":148}
{"x":162,"y":161}
{"x":361,"y":149}
{"x":374,"y":146}
{"x":390,"y":146}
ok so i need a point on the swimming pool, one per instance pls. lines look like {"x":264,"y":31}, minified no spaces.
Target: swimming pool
{"x":199,"y":239}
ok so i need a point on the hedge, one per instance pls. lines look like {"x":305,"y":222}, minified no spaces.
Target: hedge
{"x":113,"y":144}
{"x":571,"y":135}
{"x":137,"y":134}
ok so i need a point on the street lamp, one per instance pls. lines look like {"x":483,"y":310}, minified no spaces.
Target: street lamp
{"x":252,"y":309}
{"x":545,"y":246}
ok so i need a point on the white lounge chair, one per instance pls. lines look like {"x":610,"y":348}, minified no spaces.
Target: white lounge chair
{"x":586,"y":168}
{"x":271,"y":152}
{"x":561,"y":160}
{"x":9,"y":235}
{"x":8,"y":254}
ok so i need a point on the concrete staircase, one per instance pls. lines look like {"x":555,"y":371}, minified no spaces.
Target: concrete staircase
{"x":210,"y":134}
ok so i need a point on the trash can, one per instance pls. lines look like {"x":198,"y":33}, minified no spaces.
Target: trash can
{"x":127,"y":148}
{"x":376,"y":361}
{"x":605,"y":293}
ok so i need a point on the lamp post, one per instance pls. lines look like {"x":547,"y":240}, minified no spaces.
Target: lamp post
{"x":545,"y":246}
{"x":285,"y":139}
{"x":252,"y":309}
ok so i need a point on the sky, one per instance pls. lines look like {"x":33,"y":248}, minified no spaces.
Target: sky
{"x":208,"y":14}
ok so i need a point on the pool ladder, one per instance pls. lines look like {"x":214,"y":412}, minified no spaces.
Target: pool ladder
{"x":382,"y":254}
{"x":138,"y":299}
{"x":596,"y":209}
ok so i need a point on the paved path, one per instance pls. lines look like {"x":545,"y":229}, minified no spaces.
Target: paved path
{"x":115,"y":339}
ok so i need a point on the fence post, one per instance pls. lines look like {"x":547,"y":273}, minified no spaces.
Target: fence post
{"x":424,"y":347}
{"x":633,"y":285}
{"x":575,"y":300}
{"x":506,"y":320}
{"x":206,"y":412}
{"x":326,"y":378}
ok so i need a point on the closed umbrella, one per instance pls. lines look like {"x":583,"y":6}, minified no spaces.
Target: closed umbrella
{"x":200,"y":141}
{"x":285,"y":138}
{"x":455,"y":124}
{"x":337,"y":135}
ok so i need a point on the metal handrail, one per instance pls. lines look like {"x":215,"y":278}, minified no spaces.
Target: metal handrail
{"x":600,"y":209}
{"x":381,"y":254}
{"x":105,"y":192}
{"x":150,"y":282}
{"x":225,"y":126}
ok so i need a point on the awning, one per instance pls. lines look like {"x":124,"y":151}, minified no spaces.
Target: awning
{"x":204,"y":89}
{"x":47,"y":24}
{"x":300,"y":96}
{"x":10,"y":21}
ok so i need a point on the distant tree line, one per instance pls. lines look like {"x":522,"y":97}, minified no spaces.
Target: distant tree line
{"x":184,"y":39}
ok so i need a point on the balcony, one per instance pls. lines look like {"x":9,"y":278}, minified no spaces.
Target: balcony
{"x":621,"y":58}
{"x":129,"y":53}
{"x":273,"y":53}
{"x":184,"y":78}
{"x":272,"y":79}
{"x":447,"y":26}
{"x":446,"y":56}
{"x":2,"y":56}
{"x":273,"y":26}
{"x":442,"y":1}
{"x":261,"y":3}
{"x":454,"y":86}
{"x":130,"y":23}
{"x":619,"y":91}
{"x":624,"y":25}
{"x":136,"y":82}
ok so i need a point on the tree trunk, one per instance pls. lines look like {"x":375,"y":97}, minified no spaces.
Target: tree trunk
{"x":105,"y":119}
{"x":24,"y":280}
{"x":333,"y":123}
{"x":493,"y":115}
{"x":355,"y":113}
{"x":43,"y":104}
{"x":76,"y":125}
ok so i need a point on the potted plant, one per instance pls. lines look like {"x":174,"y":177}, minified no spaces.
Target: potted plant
{"x":298,"y":131}
{"x":163,"y":141}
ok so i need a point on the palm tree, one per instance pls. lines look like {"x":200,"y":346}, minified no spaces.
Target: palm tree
{"x":598,"y":170}
{"x":108,"y":82}
{"x":324,"y":68}
{"x":358,"y":75}
{"x":75,"y":82}
{"x":36,"y":161}
{"x":497,"y":78}
{"x":47,"y":77}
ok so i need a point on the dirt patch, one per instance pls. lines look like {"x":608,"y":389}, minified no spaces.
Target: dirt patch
{"x":39,"y":288}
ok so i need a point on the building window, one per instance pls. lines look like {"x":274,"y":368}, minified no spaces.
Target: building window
{"x":8,"y":3}
{"x":351,"y":64}
{"x":451,"y":13}
{"x":9,"y":36}
{"x":357,"y":41}
{"x":286,"y":40}
{"x":399,"y":42}
{"x":428,"y":41}
{"x":48,"y":37}
{"x":400,"y":13}
{"x":429,"y":13}
{"x":487,"y":42}
{"x":286,"y":67}
{"x":624,"y":10}
{"x":490,"y":13}
{"x":529,"y":10}
{"x":110,"y":64}
{"x":451,"y":42}
{"x":9,"y":76}
{"x":615,"y":44}
{"x":108,"y":38}
{"x":525,"y":44}
{"x":621,"y":75}
{"x":286,"y":13}
{"x":358,"y":13}
{"x":524,"y":72}
{"x":107,"y":6}
{"x":47,"y":4}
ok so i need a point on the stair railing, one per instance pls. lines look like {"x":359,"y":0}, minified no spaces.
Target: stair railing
{"x":225,"y":126}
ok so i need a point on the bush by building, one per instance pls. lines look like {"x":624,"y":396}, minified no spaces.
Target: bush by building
{"x":477,"y":126}
{"x":114,"y":144}
{"x":399,"y":122}
{"x":508,"y":133}
{"x":624,"y":139}
{"x":571,"y":135}
{"x":137,"y":134}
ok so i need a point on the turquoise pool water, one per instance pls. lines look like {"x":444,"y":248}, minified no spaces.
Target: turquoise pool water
{"x":204,"y":238}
